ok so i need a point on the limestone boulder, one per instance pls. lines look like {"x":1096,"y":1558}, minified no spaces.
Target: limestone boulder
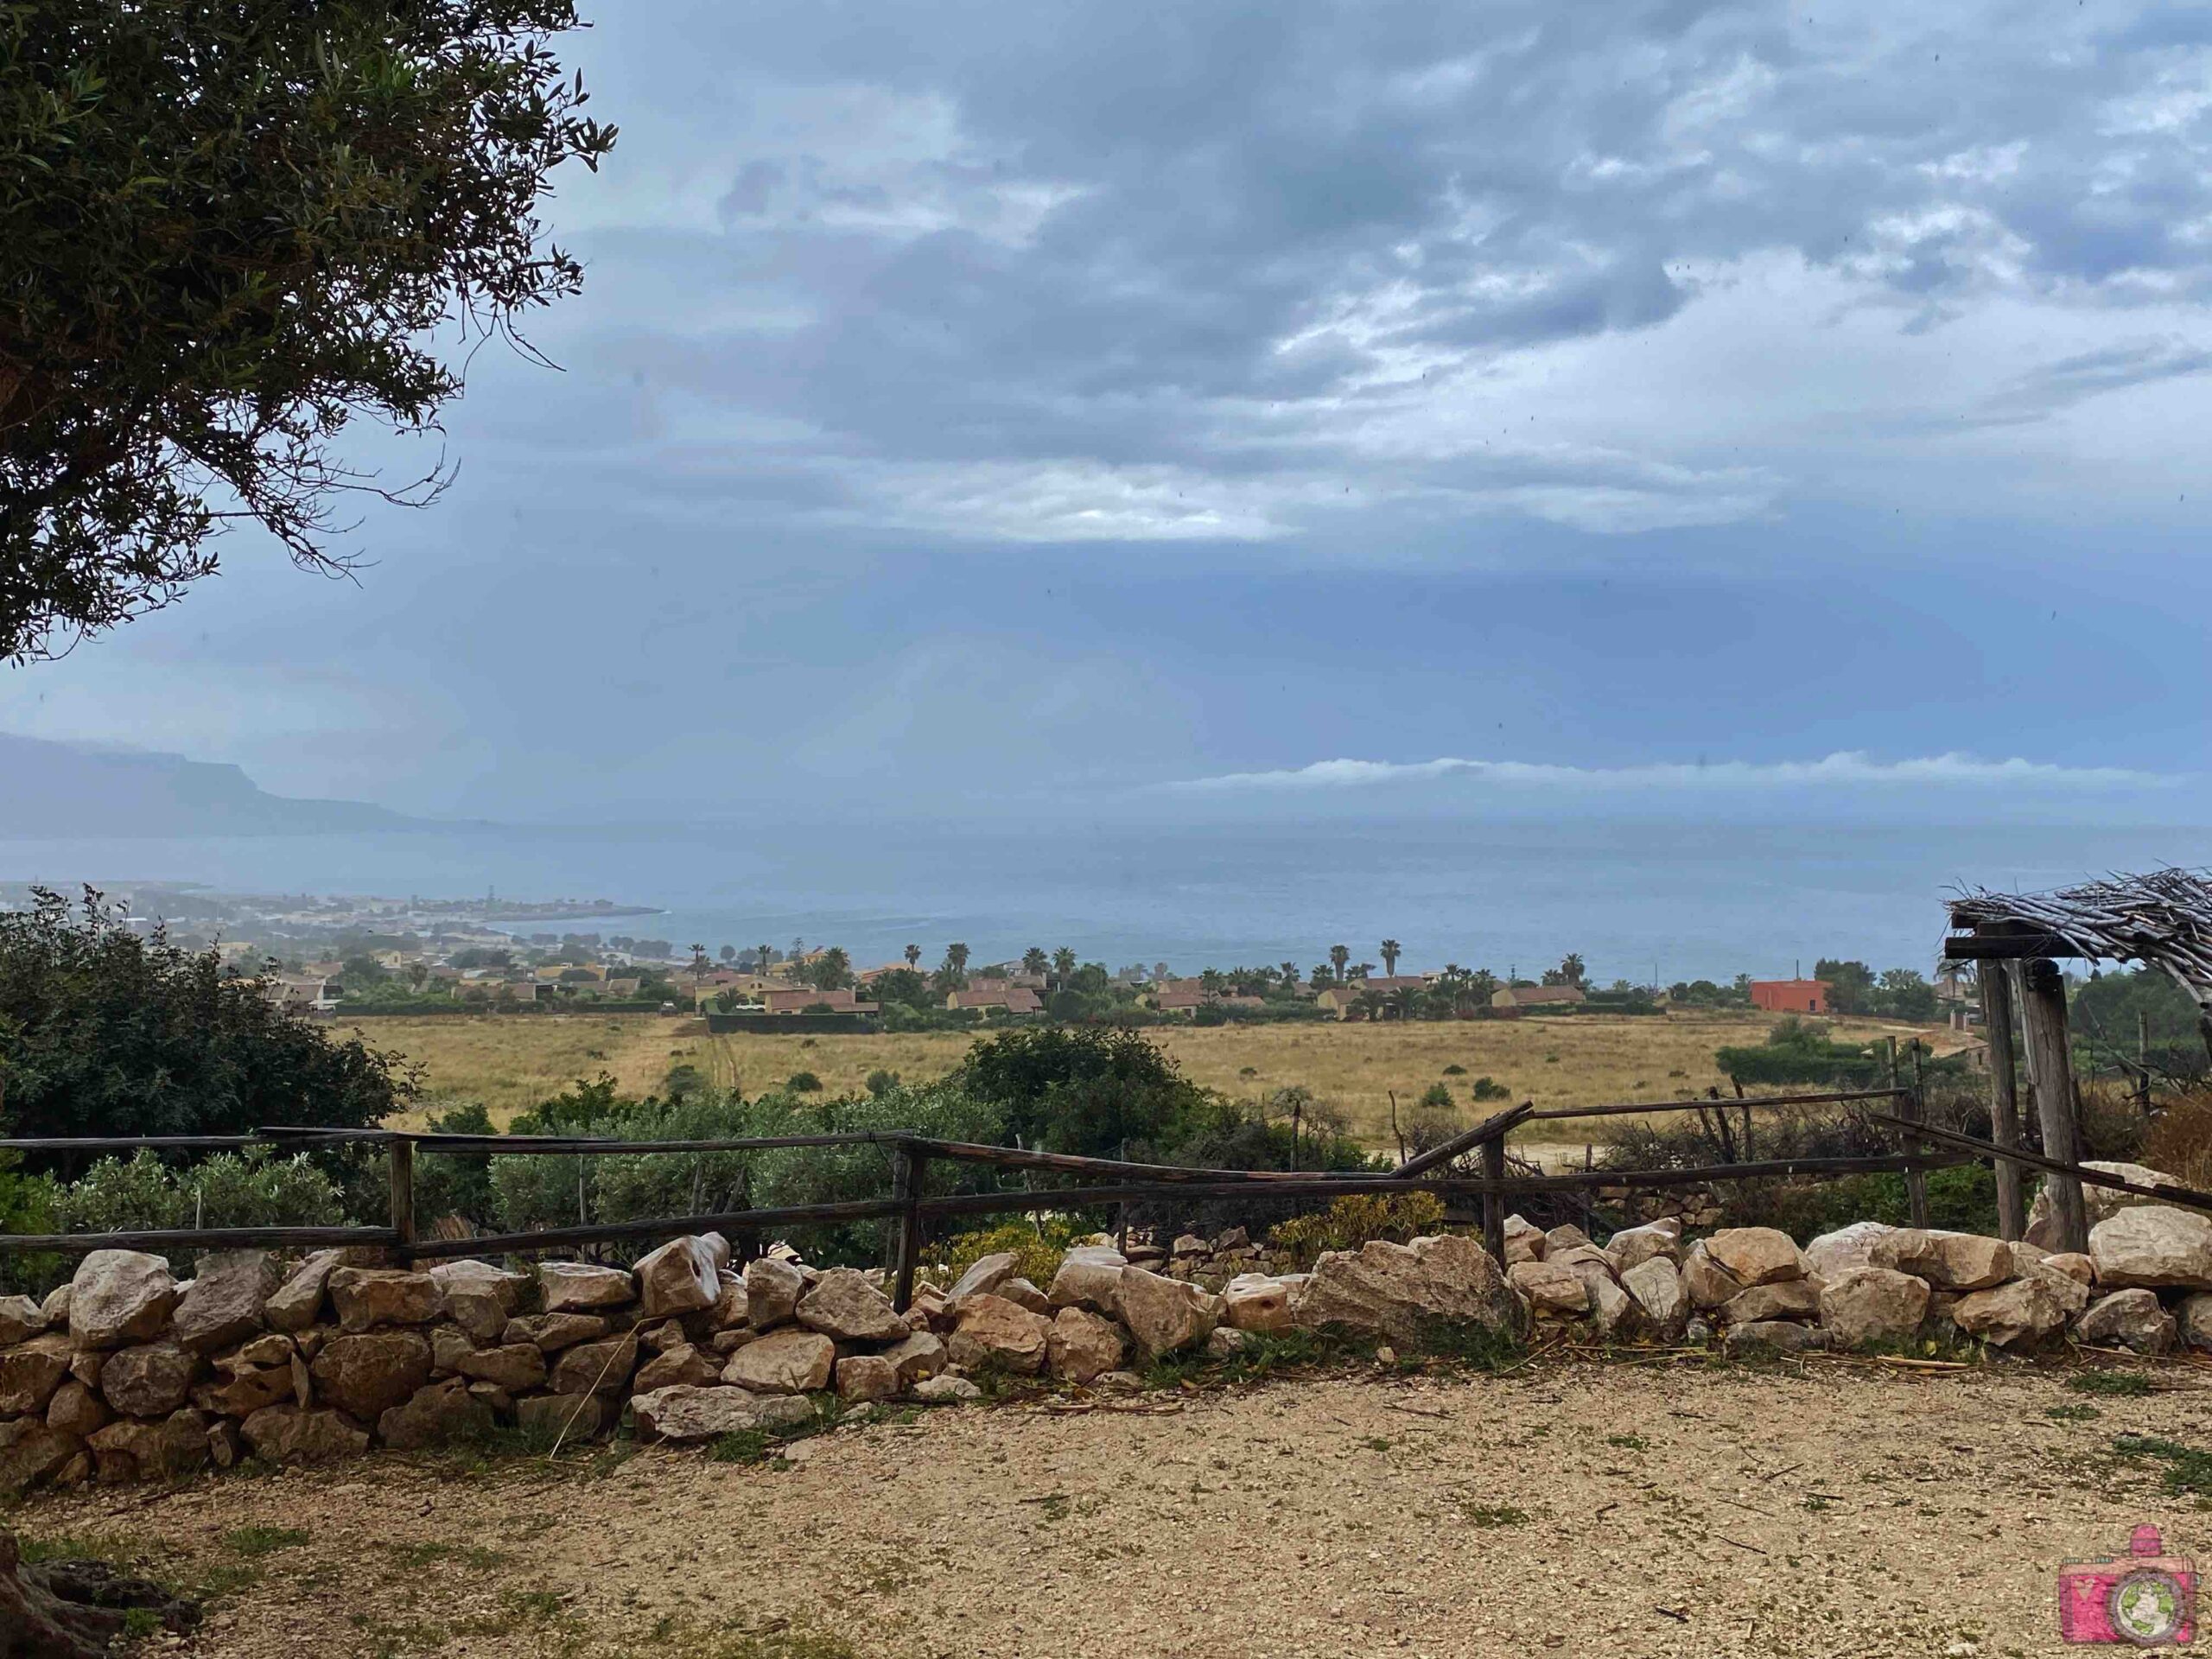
{"x":1258,"y":1302}
{"x":914,"y":1358}
{"x":31,"y":1452}
{"x":1524,"y":1240}
{"x":2017,"y":1314}
{"x":1552,"y":1290}
{"x":1022,"y":1293}
{"x":2072,"y":1263}
{"x":772,"y":1292}
{"x":1863,"y":1307}
{"x":120,"y":1296}
{"x":2152,"y":1246}
{"x":1090,"y":1276}
{"x":1615,"y":1316}
{"x":1403,"y":1291}
{"x":224,"y":1304}
{"x":297,"y":1303}
{"x":945,"y":1391}
{"x":293,"y":1434}
{"x":1845,"y":1250}
{"x":368,"y":1297}
{"x":512,"y":1365}
{"x":243,"y":1393}
{"x":1083,"y":1345}
{"x":684,"y":1412}
{"x":273,"y":1348}
{"x":564,"y":1417}
{"x":30,"y":1372}
{"x":2127,"y":1319}
{"x":554,"y":1331}
{"x":783,"y":1361}
{"x":438,"y":1414}
{"x":366,"y":1374}
{"x":149,"y":1379}
{"x":1705,"y":1282}
{"x":56,"y":1306}
{"x":1163,"y":1315}
{"x":20,"y":1318}
{"x":602,"y":1367}
{"x":985,"y":1276}
{"x":992,"y":1334}
{"x":1566,"y":1236}
{"x":1755,"y":1256}
{"x":1656,"y":1285}
{"x":843,"y":1306}
{"x":682,"y":1276}
{"x":730,"y":1307}
{"x":681,"y":1364}
{"x":1947,"y":1261}
{"x":76,"y":1410}
{"x":2098,"y":1203}
{"x":582,"y":1287}
{"x":127,"y":1450}
{"x":1633,"y":1245}
{"x":2194,"y":1321}
{"x":478,"y":1297}
{"x":1785,"y":1299}
{"x":863,"y":1377}
{"x":2073,"y":1294}
{"x":1774,"y":1337}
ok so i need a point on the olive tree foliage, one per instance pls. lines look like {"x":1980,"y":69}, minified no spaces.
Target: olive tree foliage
{"x":226,"y":228}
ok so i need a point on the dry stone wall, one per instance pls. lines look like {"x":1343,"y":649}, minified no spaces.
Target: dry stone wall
{"x":126,"y":1374}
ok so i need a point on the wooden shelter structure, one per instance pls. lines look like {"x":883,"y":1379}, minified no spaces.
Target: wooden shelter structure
{"x":2163,"y":919}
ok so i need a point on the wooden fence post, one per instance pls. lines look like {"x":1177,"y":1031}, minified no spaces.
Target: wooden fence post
{"x":2004,"y":1096}
{"x":907,"y":1167}
{"x":403,"y":1195}
{"x":1915,"y":1181}
{"x":2051,"y":1069}
{"x":1493,"y":1200}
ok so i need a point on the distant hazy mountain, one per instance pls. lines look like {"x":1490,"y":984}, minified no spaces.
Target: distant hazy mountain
{"x":59,"y":789}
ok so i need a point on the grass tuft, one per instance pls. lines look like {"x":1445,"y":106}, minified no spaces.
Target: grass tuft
{"x":2188,"y":1471}
{"x":252,"y":1541}
{"x":2123,"y":1385}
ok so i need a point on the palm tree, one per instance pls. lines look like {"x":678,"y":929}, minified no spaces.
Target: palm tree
{"x":765,"y":954}
{"x":1390,"y":948}
{"x":955,"y":963}
{"x":914,"y":955}
{"x":1033,"y":960}
{"x":1063,"y":964}
{"x":1289,"y":975}
{"x":698,"y":962}
{"x":1338,"y":955}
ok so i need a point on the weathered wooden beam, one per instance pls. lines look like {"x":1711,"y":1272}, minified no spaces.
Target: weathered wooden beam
{"x":196,"y":1238}
{"x":2043,"y":1016}
{"x":1492,"y":1127}
{"x":1630,"y":1108}
{"x":2188,"y":1198}
{"x":2013,"y":947}
{"x":666,"y":1227}
{"x":2003,"y":1096}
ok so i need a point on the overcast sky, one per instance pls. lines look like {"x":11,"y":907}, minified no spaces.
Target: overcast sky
{"x":980,"y":404}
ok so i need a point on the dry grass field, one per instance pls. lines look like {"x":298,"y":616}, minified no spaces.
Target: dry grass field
{"x":510,"y":1062}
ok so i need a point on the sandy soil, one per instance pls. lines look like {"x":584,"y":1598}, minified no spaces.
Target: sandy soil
{"x":1658,"y":1507}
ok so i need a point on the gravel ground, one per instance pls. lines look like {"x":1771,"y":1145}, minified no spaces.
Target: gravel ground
{"x":1656,"y":1507}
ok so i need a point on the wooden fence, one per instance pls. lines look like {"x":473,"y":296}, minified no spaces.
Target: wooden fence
{"x":1099,"y":1182}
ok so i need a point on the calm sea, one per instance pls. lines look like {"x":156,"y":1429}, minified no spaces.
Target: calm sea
{"x":1671,"y":900}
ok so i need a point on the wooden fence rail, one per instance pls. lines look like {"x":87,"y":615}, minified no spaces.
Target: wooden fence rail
{"x":1111,"y":1181}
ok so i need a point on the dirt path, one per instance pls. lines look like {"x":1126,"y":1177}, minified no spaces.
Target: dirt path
{"x":1822,"y":1508}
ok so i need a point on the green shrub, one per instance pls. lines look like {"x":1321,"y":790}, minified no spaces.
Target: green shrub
{"x":1352,"y":1220}
{"x":1037,"y":1250}
{"x":802,"y":1082}
{"x":252,"y":1188}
